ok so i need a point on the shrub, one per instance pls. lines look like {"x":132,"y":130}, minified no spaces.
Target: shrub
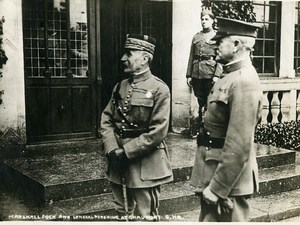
{"x":283,"y":135}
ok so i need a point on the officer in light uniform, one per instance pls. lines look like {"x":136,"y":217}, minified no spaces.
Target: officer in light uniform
{"x":225,"y":169}
{"x":134,"y":125}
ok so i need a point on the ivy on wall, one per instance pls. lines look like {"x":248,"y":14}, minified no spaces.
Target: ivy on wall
{"x":240,"y":10}
{"x":3,"y":57}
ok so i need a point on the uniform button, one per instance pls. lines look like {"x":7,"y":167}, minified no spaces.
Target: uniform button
{"x":129,"y":91}
{"x":125,"y":108}
{"x":206,"y":148}
{"x":132,"y":85}
{"x":126,"y":102}
{"x":210,"y":141}
{"x":123,"y":127}
{"x":128,"y":96}
{"x":124,"y":114}
{"x":123,"y":121}
{"x":207,"y":133}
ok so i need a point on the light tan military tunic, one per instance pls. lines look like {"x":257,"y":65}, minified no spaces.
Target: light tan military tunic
{"x":146,"y":103}
{"x":233,"y":109}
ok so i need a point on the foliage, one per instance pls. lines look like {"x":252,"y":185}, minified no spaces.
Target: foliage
{"x":283,"y":135}
{"x":240,"y":10}
{"x":3,"y":57}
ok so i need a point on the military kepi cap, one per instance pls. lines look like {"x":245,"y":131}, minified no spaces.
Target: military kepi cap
{"x":229,"y":27}
{"x":140,"y":42}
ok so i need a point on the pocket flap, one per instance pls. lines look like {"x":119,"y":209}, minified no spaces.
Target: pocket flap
{"x":213,"y":154}
{"x":219,"y":95}
{"x":142,"y":102}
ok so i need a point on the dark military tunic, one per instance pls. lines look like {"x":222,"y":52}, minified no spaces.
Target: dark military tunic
{"x":201,"y":64}
{"x":146,"y":103}
{"x":233,"y":110}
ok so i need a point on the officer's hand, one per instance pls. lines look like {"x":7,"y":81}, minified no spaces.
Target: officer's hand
{"x":189,"y":81}
{"x":117,"y":154}
{"x":209,"y":197}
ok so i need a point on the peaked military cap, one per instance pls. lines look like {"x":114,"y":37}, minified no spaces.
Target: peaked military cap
{"x":229,"y":27}
{"x":205,"y":12}
{"x":140,"y":42}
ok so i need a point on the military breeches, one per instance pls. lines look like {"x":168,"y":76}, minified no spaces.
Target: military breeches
{"x":143,"y":201}
{"x":201,"y":88}
{"x":239,"y":213}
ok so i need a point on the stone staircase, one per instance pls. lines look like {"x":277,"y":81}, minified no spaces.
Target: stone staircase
{"x":68,"y":182}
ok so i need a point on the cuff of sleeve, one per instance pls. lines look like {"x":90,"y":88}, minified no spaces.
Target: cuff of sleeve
{"x":131,"y":149}
{"x":219,"y":189}
{"x":110,"y":144}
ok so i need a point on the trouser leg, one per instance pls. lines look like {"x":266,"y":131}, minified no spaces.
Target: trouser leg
{"x":118,"y":200}
{"x":239,"y":213}
{"x":202,"y":88}
{"x":147,"y":202}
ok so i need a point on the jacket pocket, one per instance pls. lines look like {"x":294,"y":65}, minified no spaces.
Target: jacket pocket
{"x":142,"y":109}
{"x":156,"y":165}
{"x":212,"y":159}
{"x":207,"y":67}
{"x":220,"y":95}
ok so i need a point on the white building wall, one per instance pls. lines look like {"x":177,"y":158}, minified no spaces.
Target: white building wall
{"x":12,"y":110}
{"x":186,"y":22}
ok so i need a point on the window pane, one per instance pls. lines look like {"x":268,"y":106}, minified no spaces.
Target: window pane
{"x":269,"y":66}
{"x":258,"y":48}
{"x":266,"y":44}
{"x":257,"y":62}
{"x":33,"y":33}
{"x":270,"y":31}
{"x":56,"y":34}
{"x":297,"y":39}
{"x":79,"y":38}
{"x":270,"y":48}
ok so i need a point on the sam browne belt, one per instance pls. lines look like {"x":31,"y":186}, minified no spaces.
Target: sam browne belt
{"x":203,"y":57}
{"x":206,"y":140}
{"x":130,"y":133}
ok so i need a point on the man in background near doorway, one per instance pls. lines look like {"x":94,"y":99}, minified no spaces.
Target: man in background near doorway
{"x":133,"y":126}
{"x":202,"y":70}
{"x":225,"y":169}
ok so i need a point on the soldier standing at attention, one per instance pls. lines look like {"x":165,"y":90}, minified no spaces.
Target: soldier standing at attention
{"x":203,"y":70}
{"x":133,"y":126}
{"x":225,"y":169}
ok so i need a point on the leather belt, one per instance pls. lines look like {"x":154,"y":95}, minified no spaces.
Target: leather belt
{"x":203,"y":57}
{"x":210,"y":142}
{"x":130,"y":133}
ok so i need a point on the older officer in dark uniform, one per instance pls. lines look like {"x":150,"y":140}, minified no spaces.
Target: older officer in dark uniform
{"x":134,"y":125}
{"x":225,"y":169}
{"x":203,"y":70}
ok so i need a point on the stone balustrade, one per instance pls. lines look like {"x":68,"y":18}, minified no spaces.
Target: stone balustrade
{"x":281,"y":100}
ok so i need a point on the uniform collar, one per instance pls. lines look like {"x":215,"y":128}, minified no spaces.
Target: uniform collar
{"x":143,"y":75}
{"x":231,"y":67}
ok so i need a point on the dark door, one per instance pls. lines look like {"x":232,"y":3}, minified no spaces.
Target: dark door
{"x":59,"y":74}
{"x":120,"y":17}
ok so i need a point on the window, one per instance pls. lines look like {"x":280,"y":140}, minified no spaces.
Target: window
{"x":297,"y":40}
{"x":55,"y":38}
{"x":266,"y":49}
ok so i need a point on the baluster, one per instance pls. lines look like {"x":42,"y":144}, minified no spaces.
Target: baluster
{"x":298,"y":106}
{"x":265,"y":109}
{"x":285,"y":107}
{"x":275,"y":107}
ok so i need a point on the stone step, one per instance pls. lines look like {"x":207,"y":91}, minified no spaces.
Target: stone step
{"x":179,"y":203}
{"x":179,"y":196}
{"x":271,"y":208}
{"x":63,"y":176}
